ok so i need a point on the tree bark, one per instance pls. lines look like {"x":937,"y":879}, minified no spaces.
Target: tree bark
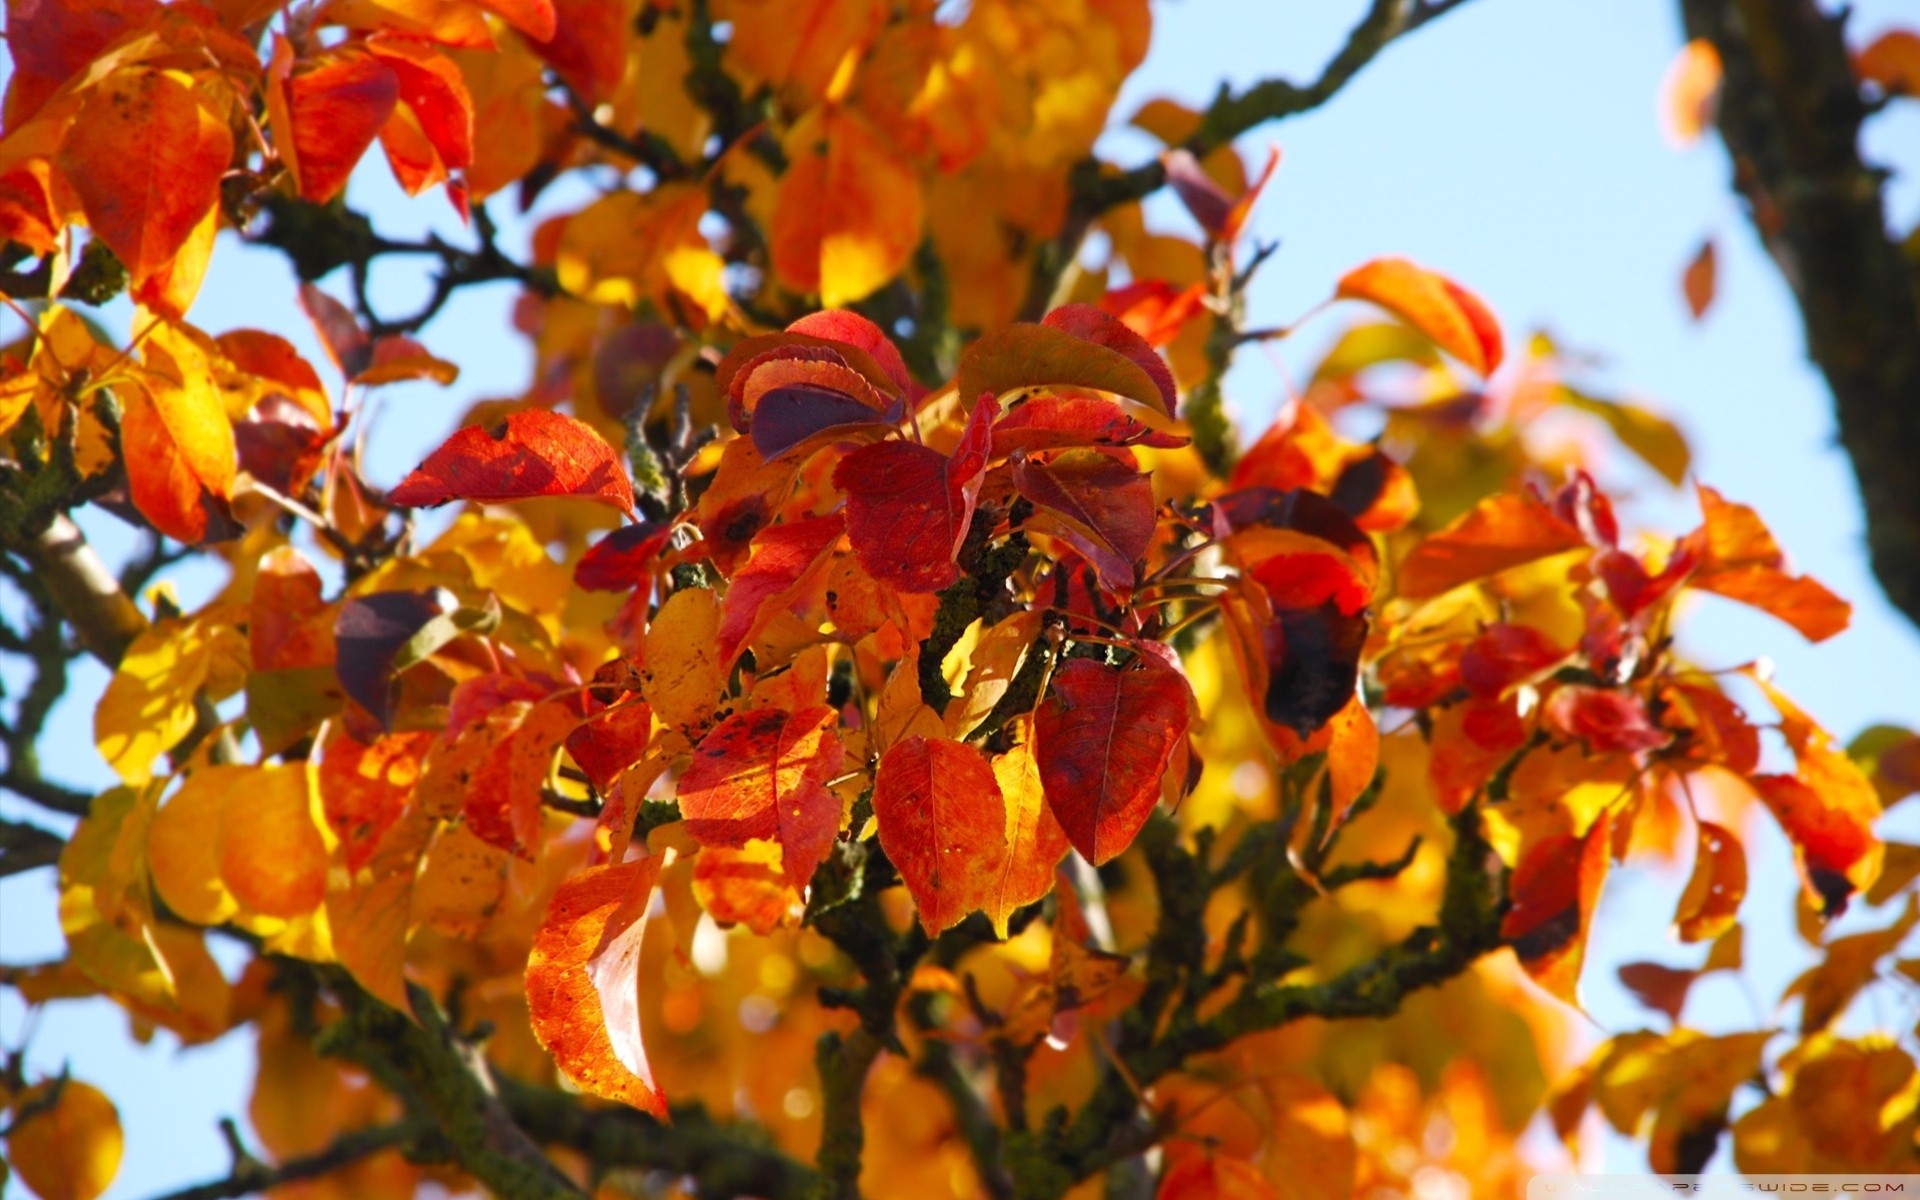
{"x":1790,"y":113}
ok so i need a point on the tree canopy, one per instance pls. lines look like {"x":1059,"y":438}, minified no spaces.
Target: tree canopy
{"x":861,"y":720}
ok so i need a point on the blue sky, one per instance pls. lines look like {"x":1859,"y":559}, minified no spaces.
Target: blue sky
{"x":1512,"y":145}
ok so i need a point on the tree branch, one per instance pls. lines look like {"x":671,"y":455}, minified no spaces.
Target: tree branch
{"x":250,"y":1176}
{"x":1230,"y":115}
{"x":26,"y":847}
{"x":1790,"y":114}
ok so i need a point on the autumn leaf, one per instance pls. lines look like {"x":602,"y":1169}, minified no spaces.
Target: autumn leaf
{"x":1453,"y":317}
{"x":1035,"y":843}
{"x":785,"y":558}
{"x":1714,"y":891}
{"x":365,"y":786}
{"x":583,"y":982}
{"x":1738,"y":558}
{"x":1091,"y":324}
{"x":763,"y":774}
{"x":1690,"y":93}
{"x":1103,"y":739}
{"x":909,"y":506}
{"x":1214,"y":1177}
{"x":623,"y":560}
{"x":1554,"y":890}
{"x":1892,"y":61}
{"x":177,"y":441}
{"x":1058,"y":422}
{"x":533,"y":452}
{"x":684,"y":671}
{"x":144,"y":206}
{"x":1037,"y":355}
{"x":1100,"y":505}
{"x":1697,"y":282}
{"x":272,"y":858}
{"x":1499,"y":533}
{"x":371,"y":631}
{"x":943,"y":824}
{"x":847,"y":213}
{"x":325,"y":112}
{"x":64,"y":1140}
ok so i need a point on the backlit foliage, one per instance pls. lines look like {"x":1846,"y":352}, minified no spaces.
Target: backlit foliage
{"x":866,"y":707}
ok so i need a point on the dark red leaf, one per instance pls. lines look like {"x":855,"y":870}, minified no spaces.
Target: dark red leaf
{"x":1101,"y":506}
{"x":908,"y":506}
{"x":369,"y":632}
{"x":1103,"y":739}
{"x":622,"y":560}
{"x":785,"y":557}
{"x":1050,"y":422}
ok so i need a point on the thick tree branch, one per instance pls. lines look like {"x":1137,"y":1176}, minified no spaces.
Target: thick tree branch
{"x":445,"y":1083}
{"x":722,"y":1161}
{"x":251,"y":1176}
{"x":1790,"y":114}
{"x":24,"y":847}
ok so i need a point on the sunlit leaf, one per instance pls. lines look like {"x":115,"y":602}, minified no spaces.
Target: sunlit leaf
{"x":1453,"y":317}
{"x":533,"y":452}
{"x":762,"y":774}
{"x":1103,"y":739}
{"x":943,"y":823}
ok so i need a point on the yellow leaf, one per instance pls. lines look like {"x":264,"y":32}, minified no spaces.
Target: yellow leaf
{"x":848,"y":213}
{"x":148,"y":705}
{"x":71,"y":1150}
{"x":799,"y":44}
{"x":683,"y":675}
{"x":183,"y":847}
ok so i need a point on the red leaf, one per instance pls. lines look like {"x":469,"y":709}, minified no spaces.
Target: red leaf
{"x":1103,"y":738}
{"x":583,"y":982}
{"x":1554,"y":890}
{"x":145,"y":155}
{"x":346,"y":343}
{"x":1662,"y":989}
{"x":763,"y":774}
{"x":1090,"y":324}
{"x":325,"y":115}
{"x":50,"y":42}
{"x":1609,"y":722}
{"x":785,"y":558}
{"x":433,"y":90}
{"x":1049,"y":422}
{"x":943,"y":825}
{"x":1101,"y":506}
{"x":622,"y":560}
{"x":588,"y":46}
{"x":535,"y":18}
{"x":1504,"y":655}
{"x":610,"y":741}
{"x":852,"y":329}
{"x":1833,"y":843}
{"x":803,"y":417}
{"x":908,"y":506}
{"x":533,"y":452}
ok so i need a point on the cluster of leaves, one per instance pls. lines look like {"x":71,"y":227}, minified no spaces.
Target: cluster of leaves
{"x":948,"y":752}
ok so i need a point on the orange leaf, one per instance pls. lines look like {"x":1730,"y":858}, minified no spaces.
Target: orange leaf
{"x":943,"y":824}
{"x":1892,"y":61}
{"x":1454,"y":318}
{"x":535,"y":18}
{"x":588,"y":46}
{"x":1213,"y":1177}
{"x":1554,"y":890}
{"x":271,"y":855}
{"x":364,"y":787}
{"x":145,"y":205}
{"x":68,"y":1149}
{"x":50,"y":43}
{"x":1103,"y":739}
{"x":1500,"y":532}
{"x":1035,"y":843}
{"x":1698,"y":282}
{"x":1716,"y":887}
{"x":583,"y":982}
{"x":1739,"y":559}
{"x":177,"y":442}
{"x":847,"y":213}
{"x":432,"y":90}
{"x":533,"y":452}
{"x":785,"y":559}
{"x":1035,"y":356}
{"x":763,"y":774}
{"x":1689,"y":93}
